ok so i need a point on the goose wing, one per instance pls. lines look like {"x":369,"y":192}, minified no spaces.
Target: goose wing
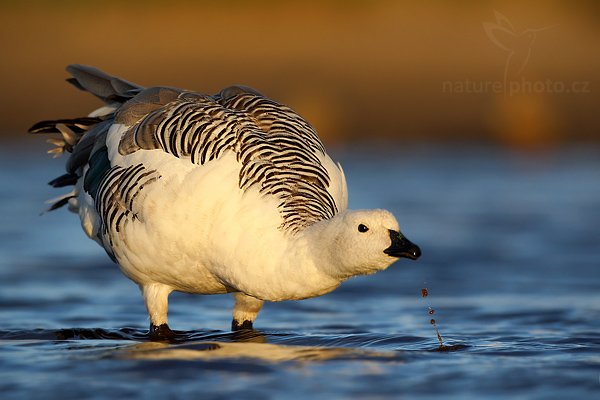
{"x":278,"y":151}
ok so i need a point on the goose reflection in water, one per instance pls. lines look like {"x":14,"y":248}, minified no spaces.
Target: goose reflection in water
{"x":248,"y":344}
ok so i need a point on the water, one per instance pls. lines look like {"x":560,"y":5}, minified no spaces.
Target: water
{"x":510,"y":259}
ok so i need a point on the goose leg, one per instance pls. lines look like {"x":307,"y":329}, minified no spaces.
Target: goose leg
{"x":245,"y":311}
{"x":156,"y":297}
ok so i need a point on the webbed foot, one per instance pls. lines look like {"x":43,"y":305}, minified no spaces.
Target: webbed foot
{"x":238,"y":326}
{"x":160,"y":333}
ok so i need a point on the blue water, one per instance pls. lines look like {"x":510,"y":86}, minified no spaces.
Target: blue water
{"x":511,"y":260}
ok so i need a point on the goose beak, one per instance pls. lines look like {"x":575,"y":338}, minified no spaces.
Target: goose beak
{"x":402,"y":247}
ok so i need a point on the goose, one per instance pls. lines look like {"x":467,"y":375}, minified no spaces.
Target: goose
{"x":213,"y":194}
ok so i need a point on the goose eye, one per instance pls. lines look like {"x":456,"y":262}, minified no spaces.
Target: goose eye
{"x":362,"y":228}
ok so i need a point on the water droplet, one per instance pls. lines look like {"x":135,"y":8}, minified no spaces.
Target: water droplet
{"x":431,"y":311}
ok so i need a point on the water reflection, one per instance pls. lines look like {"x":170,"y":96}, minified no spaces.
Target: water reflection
{"x":206,"y":345}
{"x":267,"y":352}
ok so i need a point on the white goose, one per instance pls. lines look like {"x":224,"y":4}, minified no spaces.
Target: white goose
{"x":231,"y":193}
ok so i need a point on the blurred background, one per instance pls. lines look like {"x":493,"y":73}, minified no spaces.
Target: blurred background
{"x":357,"y":70}
{"x":475,"y":122}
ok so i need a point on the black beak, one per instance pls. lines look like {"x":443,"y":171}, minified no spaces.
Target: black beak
{"x":402,"y":247}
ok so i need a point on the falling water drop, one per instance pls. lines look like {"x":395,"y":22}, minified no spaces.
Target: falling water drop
{"x":431,"y":311}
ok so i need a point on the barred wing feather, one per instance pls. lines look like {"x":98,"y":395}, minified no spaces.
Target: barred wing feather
{"x":278,"y":151}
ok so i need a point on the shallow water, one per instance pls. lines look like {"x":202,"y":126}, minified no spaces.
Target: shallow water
{"x":511,"y":260}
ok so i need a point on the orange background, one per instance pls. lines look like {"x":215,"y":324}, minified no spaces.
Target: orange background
{"x":372,"y":70}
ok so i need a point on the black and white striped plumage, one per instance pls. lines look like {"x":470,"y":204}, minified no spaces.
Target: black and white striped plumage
{"x":275,"y":147}
{"x":213,"y":194}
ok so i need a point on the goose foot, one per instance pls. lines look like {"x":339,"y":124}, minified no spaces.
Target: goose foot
{"x":237,"y":326}
{"x":160,"y":333}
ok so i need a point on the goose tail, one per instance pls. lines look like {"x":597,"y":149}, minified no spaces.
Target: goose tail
{"x":84,"y":136}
